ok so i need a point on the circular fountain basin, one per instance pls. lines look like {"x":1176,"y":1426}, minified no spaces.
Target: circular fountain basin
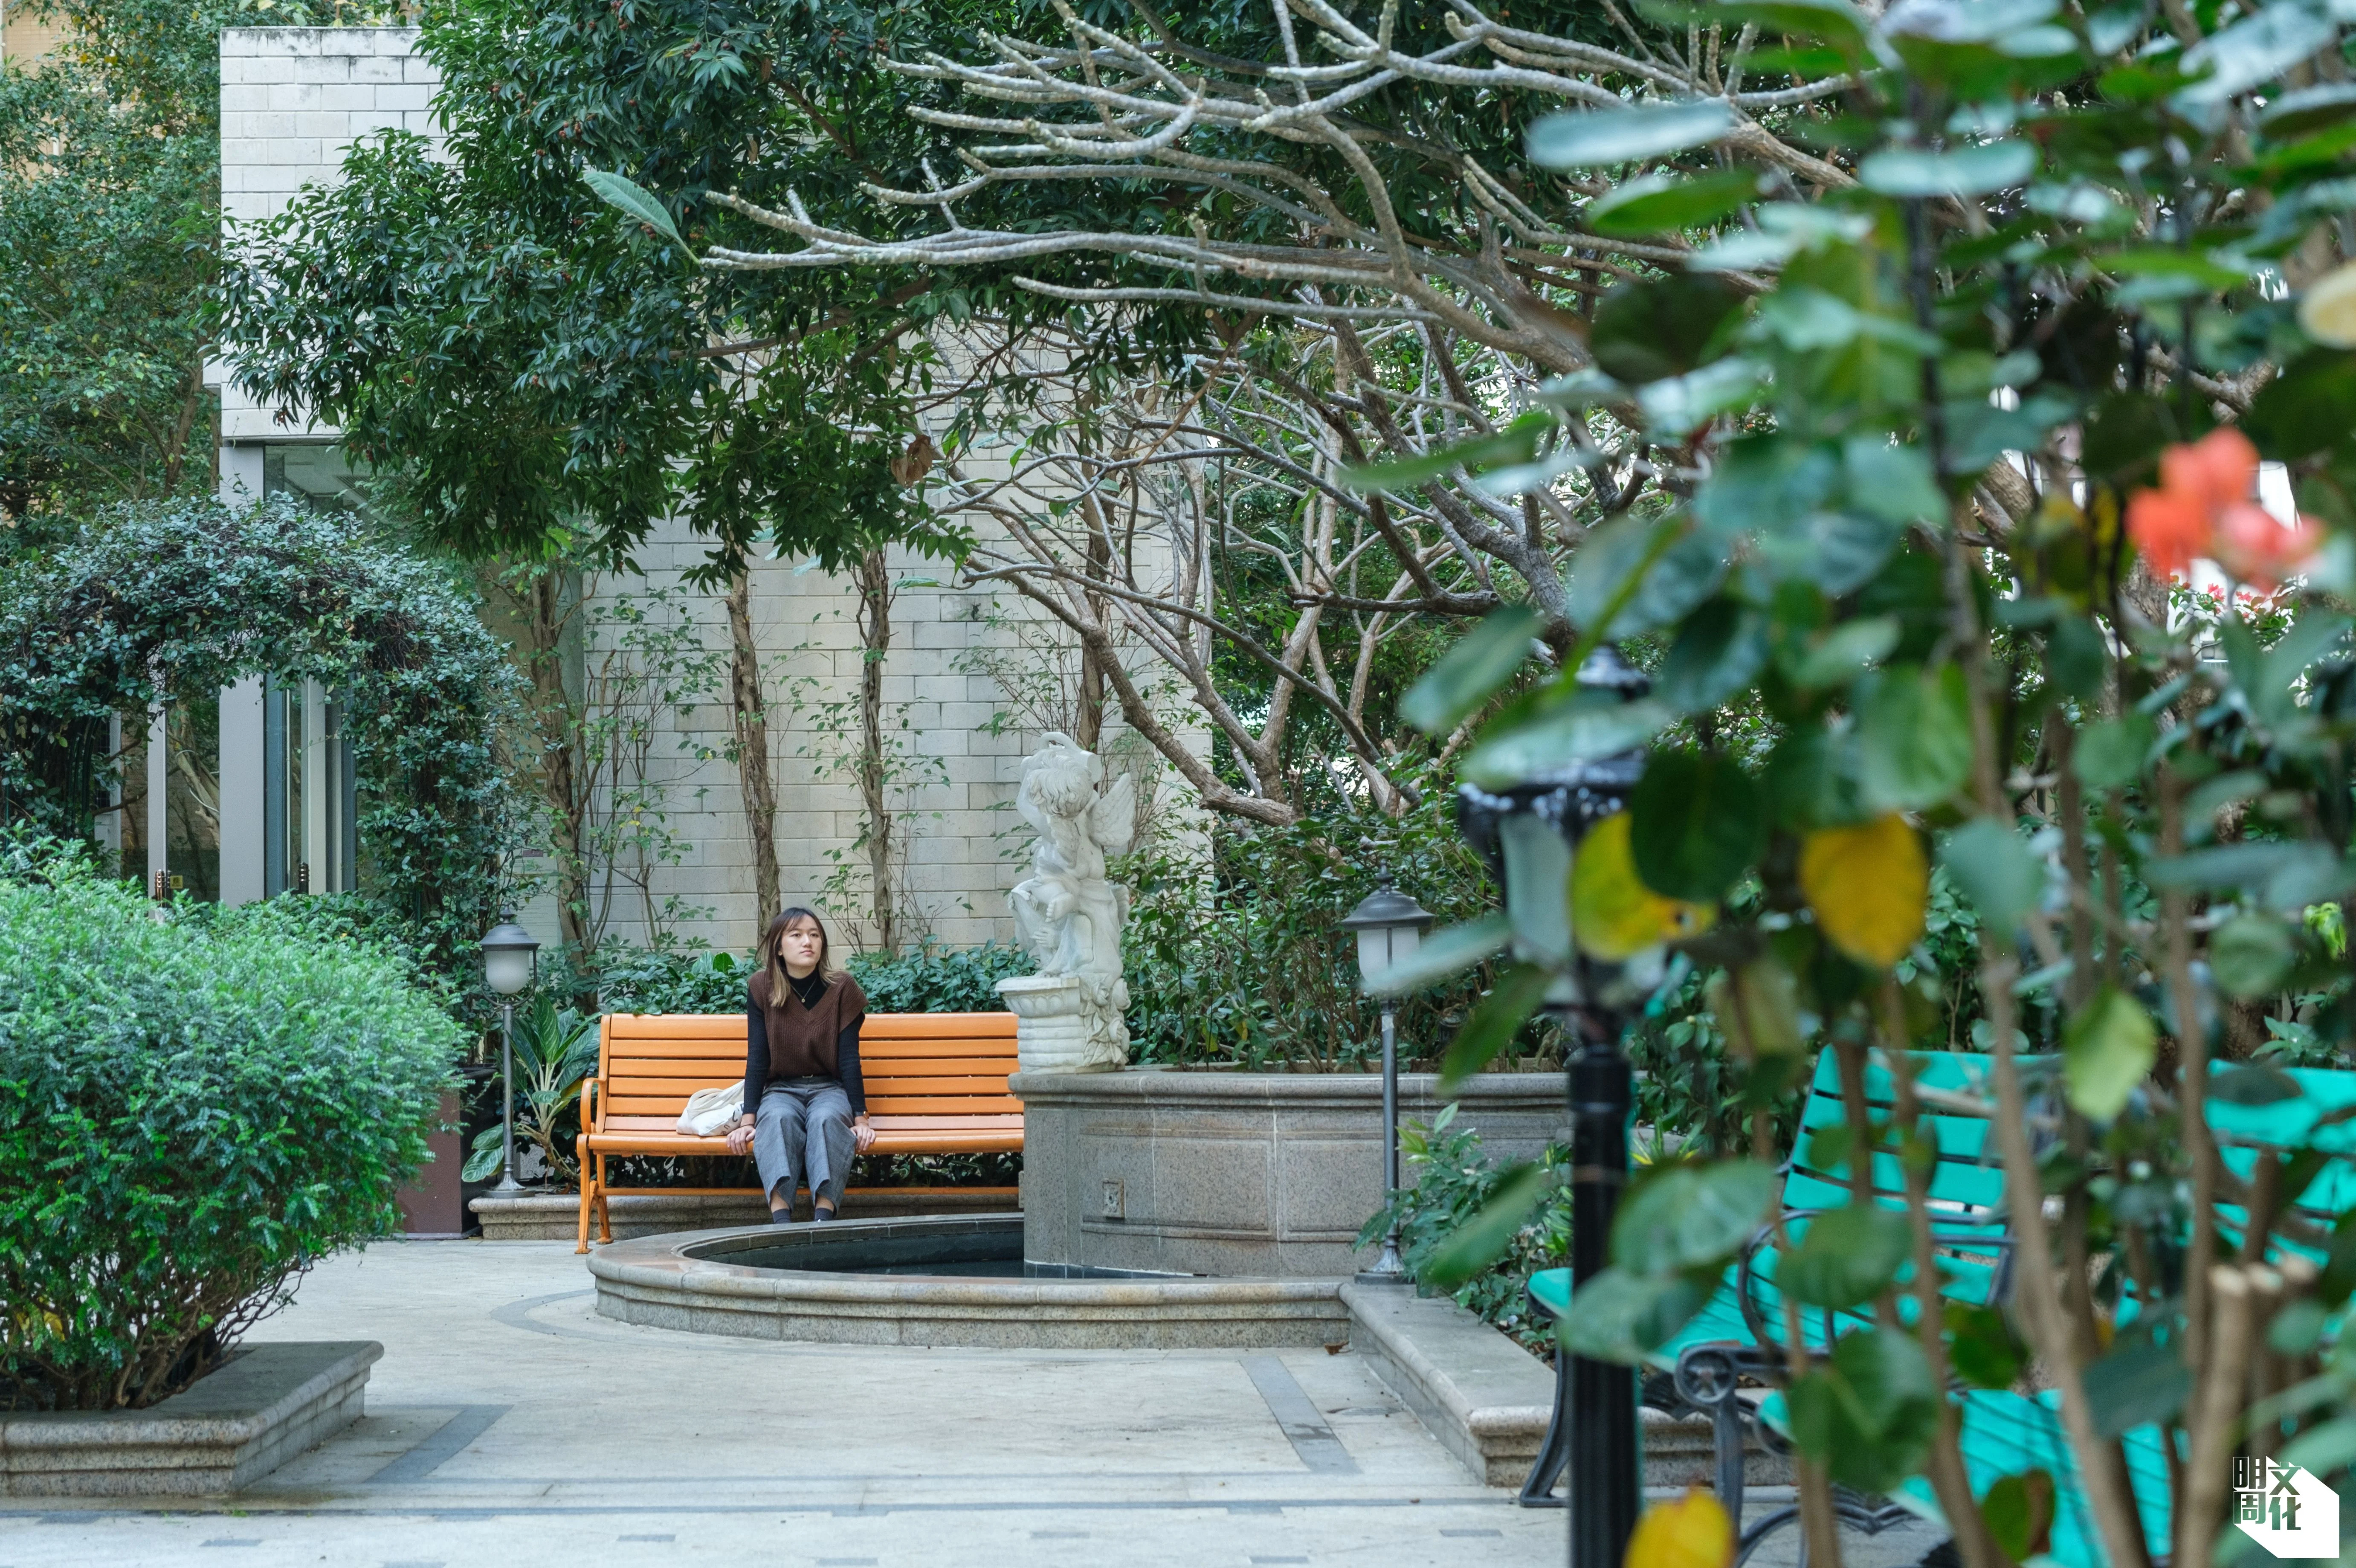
{"x":944,"y":1281}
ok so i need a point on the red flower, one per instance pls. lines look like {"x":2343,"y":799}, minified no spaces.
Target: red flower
{"x":2204,"y":508}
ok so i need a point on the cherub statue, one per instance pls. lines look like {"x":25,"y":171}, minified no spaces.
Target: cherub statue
{"x":1068,"y":914}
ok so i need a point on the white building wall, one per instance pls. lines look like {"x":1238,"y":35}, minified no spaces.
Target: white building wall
{"x":292,"y":101}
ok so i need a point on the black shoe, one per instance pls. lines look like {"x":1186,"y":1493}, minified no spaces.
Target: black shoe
{"x":781,"y":1217}
{"x":821,"y":1215}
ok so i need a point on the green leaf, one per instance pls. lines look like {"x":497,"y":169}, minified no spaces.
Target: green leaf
{"x":1494,"y":1024}
{"x":1982,"y":1346}
{"x":2020,"y":1513}
{"x":1517,"y":443}
{"x":1842,"y":654}
{"x":1758,"y":1005}
{"x":1966,"y":171}
{"x":1576,"y":732}
{"x":2140,"y":1382}
{"x":1618,"y":1315}
{"x":2311,"y":405}
{"x":1832,"y":21}
{"x":2250,"y":955}
{"x":2253,"y":1083}
{"x":1996,"y":870}
{"x":1482,"y":659}
{"x":2107,"y":1050}
{"x":1634,"y":574}
{"x":1719,"y":651}
{"x":1699,"y":823}
{"x":1597,"y":138}
{"x":1441,"y":954}
{"x":1868,"y":1413}
{"x":1659,"y":203}
{"x":1482,"y":1240}
{"x":2308,"y":111}
{"x":1658,"y":327}
{"x":2110,"y":755}
{"x":2076,"y":660}
{"x":1915,"y":739}
{"x":484,"y":1160}
{"x":1682,"y":403}
{"x":1685,"y":1216}
{"x":2250,"y":53}
{"x":1848,"y":1256}
{"x":1892,"y":483}
{"x":619,"y":191}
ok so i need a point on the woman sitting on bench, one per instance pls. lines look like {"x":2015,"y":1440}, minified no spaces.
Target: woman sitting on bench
{"x":805,"y":1113}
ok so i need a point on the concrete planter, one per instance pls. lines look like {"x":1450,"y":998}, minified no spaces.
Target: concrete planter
{"x":1222,"y":1173}
{"x":555,"y":1216}
{"x":1488,"y":1401}
{"x":263,"y":1406}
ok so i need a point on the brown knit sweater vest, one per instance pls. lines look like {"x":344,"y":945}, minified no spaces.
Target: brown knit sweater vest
{"x":801,"y":1040}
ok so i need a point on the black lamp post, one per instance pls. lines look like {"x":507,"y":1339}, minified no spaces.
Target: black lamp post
{"x":1528,"y":833}
{"x":508,"y":960}
{"x":1390,"y":925}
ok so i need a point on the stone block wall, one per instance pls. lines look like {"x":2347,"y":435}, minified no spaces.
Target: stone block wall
{"x":292,"y":101}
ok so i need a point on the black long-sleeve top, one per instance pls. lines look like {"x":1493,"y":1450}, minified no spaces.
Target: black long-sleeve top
{"x":807,"y":991}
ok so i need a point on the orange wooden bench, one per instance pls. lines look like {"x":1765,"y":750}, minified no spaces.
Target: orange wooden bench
{"x":936,"y":1084}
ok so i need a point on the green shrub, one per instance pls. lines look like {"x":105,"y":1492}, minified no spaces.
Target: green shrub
{"x":192,"y":1111}
{"x":1453,"y":1181}
{"x":935,"y":978}
{"x":1236,"y":957}
{"x":657,"y":979}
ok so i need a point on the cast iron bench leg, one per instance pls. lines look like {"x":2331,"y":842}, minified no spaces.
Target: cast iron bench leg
{"x":1554,"y":1454}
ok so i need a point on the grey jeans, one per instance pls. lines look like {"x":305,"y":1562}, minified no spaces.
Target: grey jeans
{"x":802,"y":1133}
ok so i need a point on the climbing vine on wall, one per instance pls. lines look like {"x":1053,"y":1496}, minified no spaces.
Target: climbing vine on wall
{"x":158,"y":602}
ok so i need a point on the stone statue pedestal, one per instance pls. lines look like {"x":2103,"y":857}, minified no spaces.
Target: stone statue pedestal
{"x":1055,"y":1030}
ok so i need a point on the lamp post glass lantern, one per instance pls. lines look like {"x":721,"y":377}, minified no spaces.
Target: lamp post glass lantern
{"x":1528,"y":834}
{"x":510,"y":956}
{"x":1389,"y":925}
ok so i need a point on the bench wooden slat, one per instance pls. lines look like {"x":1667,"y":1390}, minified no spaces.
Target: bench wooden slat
{"x":929,"y":1104}
{"x":676,"y":1025}
{"x":906,"y":1123}
{"x":883,"y":1047}
{"x":938,"y":1026}
{"x":936,"y":1067}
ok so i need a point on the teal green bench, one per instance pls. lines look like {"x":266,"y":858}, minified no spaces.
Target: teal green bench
{"x":1739,"y":1333}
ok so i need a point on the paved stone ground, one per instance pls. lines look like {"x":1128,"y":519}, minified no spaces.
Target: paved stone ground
{"x":507,"y":1423}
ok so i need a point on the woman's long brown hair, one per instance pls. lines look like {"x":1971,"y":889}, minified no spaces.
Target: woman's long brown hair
{"x":773,"y":942}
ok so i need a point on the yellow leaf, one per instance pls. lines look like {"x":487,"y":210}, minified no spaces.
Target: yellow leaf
{"x":1868,"y":885}
{"x":2327,"y":311}
{"x":1612,"y":913}
{"x":1691,"y":1532}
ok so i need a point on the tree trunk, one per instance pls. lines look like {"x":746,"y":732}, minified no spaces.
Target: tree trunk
{"x":1088,"y":710}
{"x":751,"y":716}
{"x":875,"y":642}
{"x":559,"y":774}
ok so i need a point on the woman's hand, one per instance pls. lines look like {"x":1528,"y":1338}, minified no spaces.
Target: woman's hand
{"x":740,"y":1137}
{"x":862,"y":1135}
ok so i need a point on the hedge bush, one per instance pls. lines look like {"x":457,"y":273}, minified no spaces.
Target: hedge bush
{"x":192,"y":1111}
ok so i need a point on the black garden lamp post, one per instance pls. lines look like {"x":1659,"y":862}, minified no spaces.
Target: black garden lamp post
{"x":1528,"y":833}
{"x":1388,"y":925}
{"x":508,"y":960}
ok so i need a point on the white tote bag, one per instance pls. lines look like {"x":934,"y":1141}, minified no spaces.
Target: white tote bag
{"x":711,"y":1111}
